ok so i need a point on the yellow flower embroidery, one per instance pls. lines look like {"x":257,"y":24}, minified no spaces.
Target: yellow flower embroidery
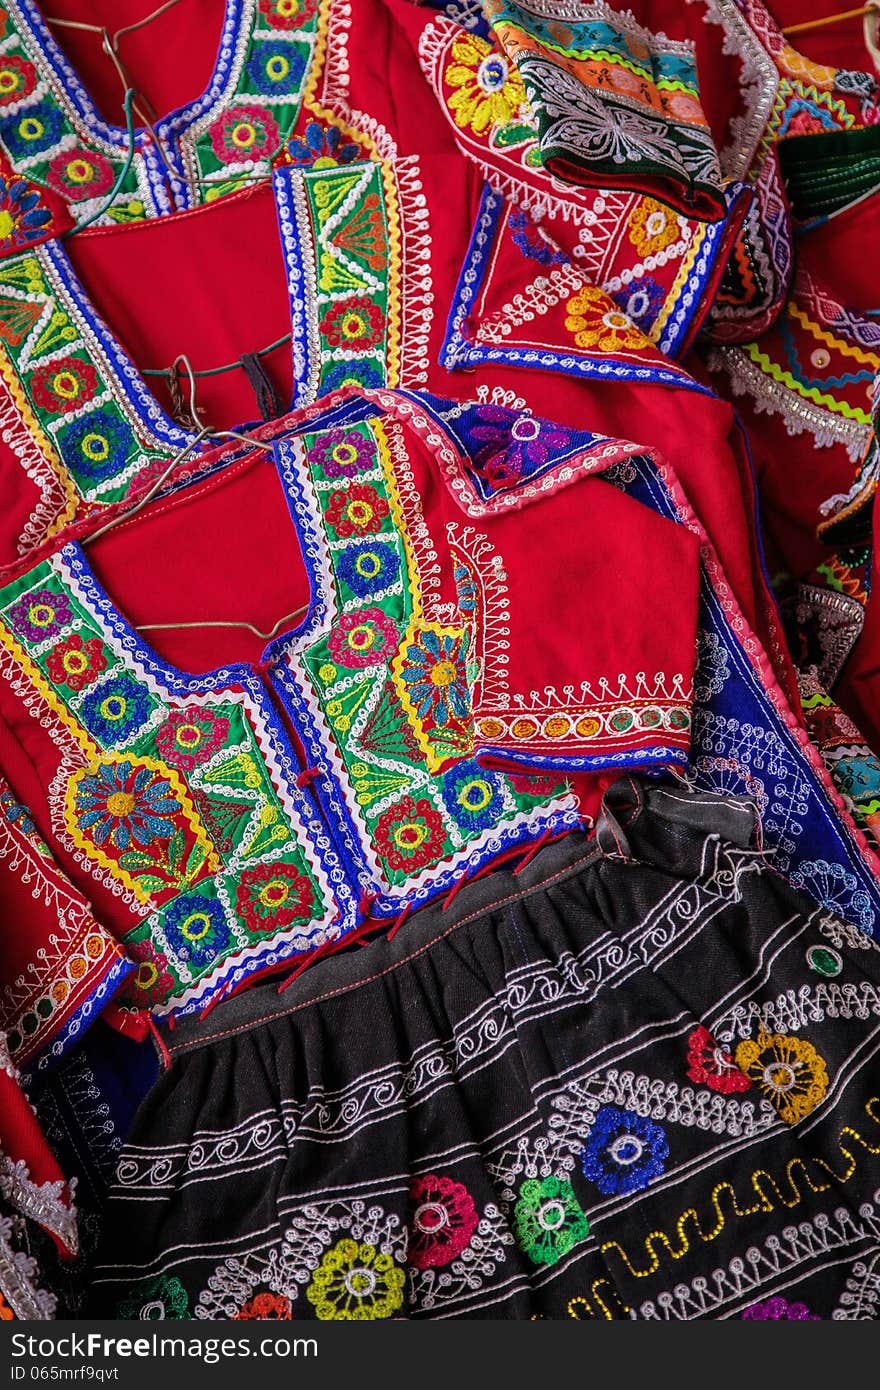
{"x":652,"y":227}
{"x":487,"y":91}
{"x":355,"y":1283}
{"x":788,"y":1070}
{"x":596,"y":322}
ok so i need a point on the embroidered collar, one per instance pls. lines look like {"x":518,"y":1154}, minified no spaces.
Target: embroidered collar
{"x":270,"y":52}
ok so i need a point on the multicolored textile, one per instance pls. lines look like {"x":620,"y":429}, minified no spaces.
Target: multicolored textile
{"x":633,"y":1081}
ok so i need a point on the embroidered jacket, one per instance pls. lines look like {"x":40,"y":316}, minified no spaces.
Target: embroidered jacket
{"x":422,"y":717}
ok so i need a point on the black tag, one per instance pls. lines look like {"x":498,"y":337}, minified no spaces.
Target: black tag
{"x":267,"y":397}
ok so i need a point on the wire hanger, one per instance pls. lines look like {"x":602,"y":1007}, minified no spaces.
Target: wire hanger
{"x":806,"y":25}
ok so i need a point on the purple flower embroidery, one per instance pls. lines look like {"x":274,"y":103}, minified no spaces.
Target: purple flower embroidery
{"x":41,"y":614}
{"x":514,"y":445}
{"x":342,"y":453}
{"x":780,"y":1310}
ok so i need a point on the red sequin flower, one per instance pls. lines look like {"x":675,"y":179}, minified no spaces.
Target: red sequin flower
{"x":288,"y":14}
{"x":76,"y":661}
{"x":65,"y":384}
{"x":709,"y":1065}
{"x":443,"y":1220}
{"x":356,"y":512}
{"x":410,"y":834}
{"x":152,"y":981}
{"x":273,"y":896}
{"x":244,"y":133}
{"x":265,"y":1306}
{"x":356,"y":324}
{"x":363,"y":638}
{"x":190,"y":736}
{"x":80,"y":173}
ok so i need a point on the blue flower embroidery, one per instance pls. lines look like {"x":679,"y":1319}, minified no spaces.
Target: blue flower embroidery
{"x":114,"y":711}
{"x":32,"y":131}
{"x":276,"y":66}
{"x":22,"y":213}
{"x":641,"y":302}
{"x":530,"y":241}
{"x":122,"y":804}
{"x":367,"y":568}
{"x":196,"y":928}
{"x":434,"y":671}
{"x":364,"y":374}
{"x":624,"y":1151}
{"x":97,"y":446}
{"x":472,"y":795}
{"x":322,"y":146}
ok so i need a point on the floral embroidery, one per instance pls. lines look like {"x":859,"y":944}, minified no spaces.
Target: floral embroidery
{"x":779,"y":1310}
{"x":32,"y":131}
{"x":16,"y":812}
{"x":363,"y":638}
{"x":368,"y":567}
{"x":651,"y":227}
{"x":288,"y":14}
{"x":357,"y":324}
{"x":152,"y":981}
{"x":473,"y":796}
{"x":642,"y":302}
{"x":124,"y":804}
{"x":18,"y":79}
{"x":267,"y":1306}
{"x":191,"y":736}
{"x":343,"y":453}
{"x":65,"y":384}
{"x":710,"y":1065}
{"x":597,"y":322}
{"x":40,"y":614}
{"x":274,"y":895}
{"x":277,"y":66}
{"x":624,"y":1151}
{"x":434,"y":673}
{"x":358,"y":511}
{"x":76,"y":661}
{"x":97,"y":445}
{"x":321,"y":147}
{"x":788,"y":1070}
{"x":527,"y":236}
{"x":244,"y":133}
{"x":348,"y":374}
{"x":513,"y":445}
{"x":486,"y":91}
{"x":79,"y":173}
{"x":410,"y":834}
{"x":161,"y":1297}
{"x":443,"y":1220}
{"x":196,"y":928}
{"x":548,"y":1220}
{"x":115,"y":710}
{"x":356,"y":1282}
{"x":22,"y":215}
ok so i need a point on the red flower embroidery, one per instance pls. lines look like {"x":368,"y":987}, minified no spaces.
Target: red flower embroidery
{"x":356,"y":512}
{"x":709,"y":1065}
{"x":64,"y":384}
{"x":356,"y":324}
{"x":18,"y":78}
{"x":442,"y":1223}
{"x":363,"y":638}
{"x":152,"y":981}
{"x":190,"y":736}
{"x":288,"y":14}
{"x":273,"y":896}
{"x":410,"y":834}
{"x":80,"y":173}
{"x":76,"y":661}
{"x":265,"y":1305}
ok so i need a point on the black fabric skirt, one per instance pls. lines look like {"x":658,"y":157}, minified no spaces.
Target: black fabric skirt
{"x":639,"y":1079}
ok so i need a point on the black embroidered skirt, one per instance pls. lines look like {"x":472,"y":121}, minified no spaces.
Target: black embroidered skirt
{"x":640,"y":1079}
